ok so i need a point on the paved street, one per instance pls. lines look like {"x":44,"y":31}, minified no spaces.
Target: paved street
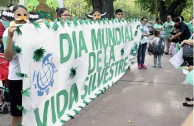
{"x":150,"y":97}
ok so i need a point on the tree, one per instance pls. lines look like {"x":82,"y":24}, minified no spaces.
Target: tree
{"x":79,"y":8}
{"x":130,"y":9}
{"x":167,"y":7}
{"x":8,"y":2}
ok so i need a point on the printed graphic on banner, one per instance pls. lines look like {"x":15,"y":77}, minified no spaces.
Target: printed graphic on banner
{"x":43,"y":79}
{"x":70,"y":66}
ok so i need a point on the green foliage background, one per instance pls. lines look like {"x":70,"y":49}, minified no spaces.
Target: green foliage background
{"x":131,"y":8}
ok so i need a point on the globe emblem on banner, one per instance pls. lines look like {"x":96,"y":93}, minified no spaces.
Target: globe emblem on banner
{"x":134,"y":49}
{"x":43,"y":80}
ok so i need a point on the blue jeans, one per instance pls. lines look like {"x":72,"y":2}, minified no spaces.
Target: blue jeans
{"x":1,"y":48}
{"x":141,"y":53}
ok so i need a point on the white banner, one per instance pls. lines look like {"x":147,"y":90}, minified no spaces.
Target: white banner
{"x":80,"y":61}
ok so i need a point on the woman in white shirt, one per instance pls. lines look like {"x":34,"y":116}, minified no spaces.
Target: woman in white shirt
{"x":14,"y":82}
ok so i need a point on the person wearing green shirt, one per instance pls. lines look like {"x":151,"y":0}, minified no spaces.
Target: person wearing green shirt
{"x":168,"y":28}
{"x":158,"y":25}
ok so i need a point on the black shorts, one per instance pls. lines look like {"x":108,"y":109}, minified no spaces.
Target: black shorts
{"x":15,"y":88}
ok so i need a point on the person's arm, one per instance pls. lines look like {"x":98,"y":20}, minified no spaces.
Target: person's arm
{"x":9,"y":45}
{"x":181,"y":31}
{"x":189,"y":42}
{"x":175,"y":36}
{"x":190,"y":68}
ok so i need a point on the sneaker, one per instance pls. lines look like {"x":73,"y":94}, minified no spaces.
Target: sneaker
{"x":154,"y":66}
{"x":143,"y":66}
{"x":160,"y":66}
{"x":188,"y":99}
{"x":139,"y":66}
{"x":188,"y":104}
{"x":166,"y":53}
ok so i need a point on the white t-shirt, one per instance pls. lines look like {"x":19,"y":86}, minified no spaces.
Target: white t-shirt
{"x":156,"y":40}
{"x":14,"y":65}
{"x":144,"y":30}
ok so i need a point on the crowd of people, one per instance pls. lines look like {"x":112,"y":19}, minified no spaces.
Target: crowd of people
{"x":169,"y":38}
{"x":20,"y":15}
{"x":164,"y":37}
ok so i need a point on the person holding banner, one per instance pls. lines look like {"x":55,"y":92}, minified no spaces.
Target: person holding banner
{"x":95,"y":15}
{"x":119,"y":14}
{"x":63,"y":13}
{"x":143,"y":44}
{"x":15,"y":82}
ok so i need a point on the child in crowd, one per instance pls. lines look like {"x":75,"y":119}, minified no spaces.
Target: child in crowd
{"x":96,"y":14}
{"x":63,"y":13}
{"x":158,"y":48}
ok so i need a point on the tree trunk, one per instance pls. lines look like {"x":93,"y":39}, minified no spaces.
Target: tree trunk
{"x":156,"y":8}
{"x":104,"y":6}
{"x":163,"y":11}
{"x":175,"y":9}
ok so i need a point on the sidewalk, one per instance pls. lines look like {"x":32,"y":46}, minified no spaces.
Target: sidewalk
{"x":150,"y":97}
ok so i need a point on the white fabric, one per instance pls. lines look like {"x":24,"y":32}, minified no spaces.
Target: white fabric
{"x":14,"y":66}
{"x":145,"y":31}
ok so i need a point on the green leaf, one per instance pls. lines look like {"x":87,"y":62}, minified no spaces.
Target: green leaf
{"x":22,"y":75}
{"x":36,"y":24}
{"x":19,"y":32}
{"x":91,"y":22}
{"x":136,"y":32}
{"x":104,"y":21}
{"x":81,"y":107}
{"x":73,"y":72}
{"x":68,"y":22}
{"x":19,"y":125}
{"x":26,"y":92}
{"x":107,"y":20}
{"x":38,"y":54}
{"x":70,"y":116}
{"x":91,"y":99}
{"x":97,"y":95}
{"x":85,"y":102}
{"x":63,"y":121}
{"x":81,"y":22}
{"x":75,"y":22}
{"x":61,"y":22}
{"x":17,"y":49}
{"x":123,"y":20}
{"x":102,"y":91}
{"x":113,"y":20}
{"x":76,"y":111}
{"x":55,"y":25}
{"x":122,"y":52}
{"x":21,"y":108}
{"x":116,"y":21}
{"x":47,"y":24}
{"x":99,"y":22}
{"x":86,"y":21}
